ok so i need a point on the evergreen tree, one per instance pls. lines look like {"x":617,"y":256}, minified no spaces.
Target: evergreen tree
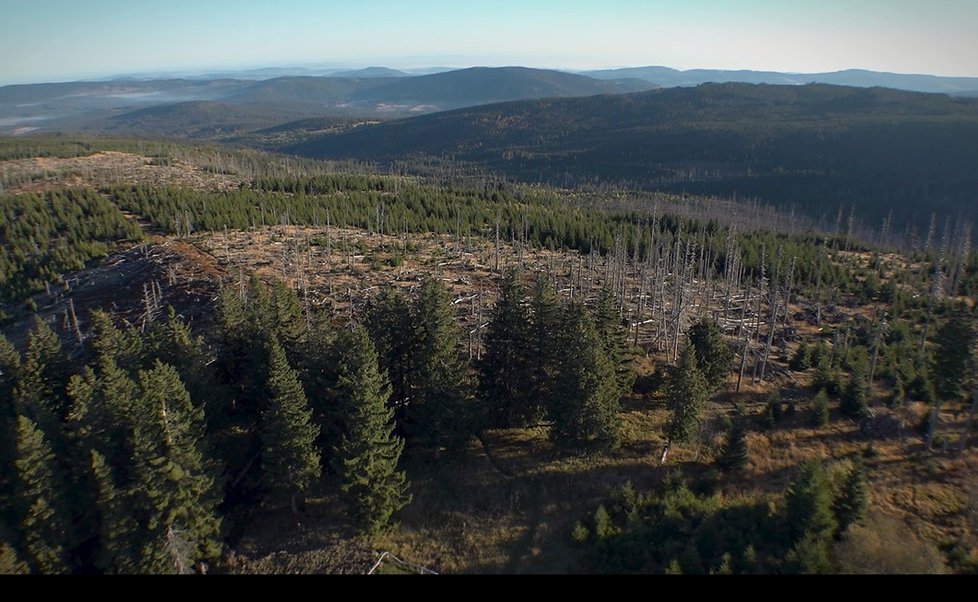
{"x":389,"y":323}
{"x":175,"y":345}
{"x":825,"y":376}
{"x":102,"y":407}
{"x":586,"y":404}
{"x":118,"y":535}
{"x":820,"y":410}
{"x":124,"y":347}
{"x":954,"y":343}
{"x":853,"y":401}
{"x":437,"y":413}
{"x":318,"y":373}
{"x":614,"y":339}
{"x":688,"y":393}
{"x":735,"y":453}
{"x":810,"y":523}
{"x":9,"y":367}
{"x":713,"y":353}
{"x":850,"y":506}
{"x":373,"y":488}
{"x":504,"y":368}
{"x":289,"y":322}
{"x":242,"y":362}
{"x":44,"y":515}
{"x":802,"y":359}
{"x":290,"y":459}
{"x":43,"y":375}
{"x":177,"y":483}
{"x":543,"y":345}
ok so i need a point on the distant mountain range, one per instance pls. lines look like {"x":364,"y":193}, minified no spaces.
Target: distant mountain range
{"x":152,"y":107}
{"x":247,"y":101}
{"x":668,"y":78}
{"x":815,"y":147}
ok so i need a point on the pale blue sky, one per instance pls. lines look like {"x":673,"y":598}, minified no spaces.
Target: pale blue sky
{"x":60,"y":40}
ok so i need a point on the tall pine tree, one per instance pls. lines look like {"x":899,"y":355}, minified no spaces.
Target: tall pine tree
{"x":437,"y":413}
{"x":290,"y":459}
{"x":504,"y":370}
{"x":586,"y":404}
{"x":389,"y":323}
{"x":954,"y":342}
{"x":9,"y":367}
{"x":367,"y":457}
{"x":607,"y":321}
{"x":45,"y":521}
{"x":853,"y":500}
{"x":543,"y":345}
{"x":177,"y":482}
{"x":42,"y":378}
{"x":688,"y":392}
{"x":118,"y":535}
{"x":713,"y":353}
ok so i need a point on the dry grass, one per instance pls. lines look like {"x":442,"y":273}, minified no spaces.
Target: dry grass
{"x":109,"y":167}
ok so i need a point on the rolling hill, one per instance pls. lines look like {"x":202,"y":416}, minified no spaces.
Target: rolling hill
{"x":862,"y":78}
{"x":372,"y":92}
{"x":814,"y":146}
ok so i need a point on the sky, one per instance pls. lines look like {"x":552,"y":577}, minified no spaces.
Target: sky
{"x":66,"y":40}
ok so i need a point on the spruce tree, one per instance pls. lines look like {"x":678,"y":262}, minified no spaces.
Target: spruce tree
{"x":389,"y":323}
{"x":102,"y":408}
{"x":9,"y":367}
{"x":850,"y":506}
{"x":586,"y":401}
{"x":367,"y":457}
{"x":242,"y":360}
{"x":174,"y":344}
{"x":688,"y":391}
{"x":735,"y":454}
{"x":820,"y":410}
{"x":288,"y":319}
{"x":290,"y":459}
{"x":437,"y":412}
{"x":177,"y":484}
{"x":42,"y":378}
{"x":853,"y":401}
{"x":810,"y":523}
{"x":825,"y":376}
{"x":504,"y":368}
{"x":713,"y":353}
{"x":607,"y":321}
{"x":124,"y":347}
{"x":954,"y":343}
{"x":543,"y":345}
{"x":802,"y":359}
{"x":118,"y":550}
{"x":44,"y":515}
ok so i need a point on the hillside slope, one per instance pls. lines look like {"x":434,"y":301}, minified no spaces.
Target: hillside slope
{"x":812,"y":146}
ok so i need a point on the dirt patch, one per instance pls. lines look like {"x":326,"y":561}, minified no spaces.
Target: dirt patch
{"x":135,"y":286}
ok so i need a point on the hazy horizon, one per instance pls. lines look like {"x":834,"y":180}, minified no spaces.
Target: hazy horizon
{"x":57,"y":40}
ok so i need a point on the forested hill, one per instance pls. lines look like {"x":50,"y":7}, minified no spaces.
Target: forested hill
{"x":816,"y":146}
